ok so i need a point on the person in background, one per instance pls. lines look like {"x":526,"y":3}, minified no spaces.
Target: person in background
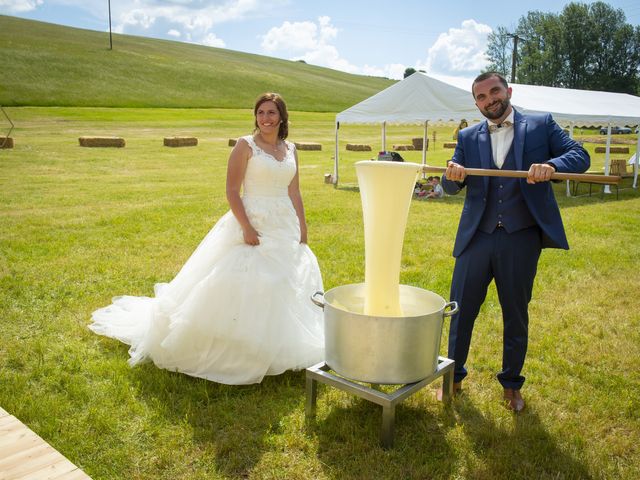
{"x":423,"y":187}
{"x":436,"y":188}
{"x":463,"y":124}
{"x":505,"y":222}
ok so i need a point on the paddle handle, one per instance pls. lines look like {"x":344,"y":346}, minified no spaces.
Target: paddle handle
{"x":578,"y":177}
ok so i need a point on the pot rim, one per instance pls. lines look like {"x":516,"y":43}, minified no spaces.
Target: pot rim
{"x":402,"y":287}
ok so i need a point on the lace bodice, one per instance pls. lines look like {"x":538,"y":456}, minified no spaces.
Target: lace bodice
{"x":265,"y":175}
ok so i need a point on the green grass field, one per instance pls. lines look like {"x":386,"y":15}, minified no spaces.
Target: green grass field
{"x":81,"y":225}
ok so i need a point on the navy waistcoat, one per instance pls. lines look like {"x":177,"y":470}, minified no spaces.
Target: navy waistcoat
{"x":505,"y":204}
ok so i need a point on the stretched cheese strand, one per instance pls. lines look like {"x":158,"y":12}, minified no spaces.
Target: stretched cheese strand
{"x":386,"y":189}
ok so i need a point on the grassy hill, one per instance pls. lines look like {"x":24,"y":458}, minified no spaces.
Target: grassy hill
{"x":53,"y":65}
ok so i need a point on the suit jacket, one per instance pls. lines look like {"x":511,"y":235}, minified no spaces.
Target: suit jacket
{"x":536,"y":139}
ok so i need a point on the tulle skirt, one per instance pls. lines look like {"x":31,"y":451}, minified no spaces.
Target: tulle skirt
{"x":235,"y":312}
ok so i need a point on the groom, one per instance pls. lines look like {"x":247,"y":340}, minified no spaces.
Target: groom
{"x":505,"y":222}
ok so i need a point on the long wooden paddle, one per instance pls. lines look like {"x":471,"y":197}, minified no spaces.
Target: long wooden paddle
{"x":578,"y":177}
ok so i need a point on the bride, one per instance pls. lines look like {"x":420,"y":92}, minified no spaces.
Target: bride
{"x":239,"y":308}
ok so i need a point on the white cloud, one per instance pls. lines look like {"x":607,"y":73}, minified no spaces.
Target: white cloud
{"x":459,"y":51}
{"x":393,"y":70}
{"x":212,"y":41}
{"x":135,"y":18}
{"x":16,"y":6}
{"x":294,"y":37}
{"x":308,"y":41}
{"x":192,"y":15}
{"x":327,"y":31}
{"x":190,"y":20}
{"x":299,"y":37}
{"x":313,"y":43}
{"x":327,"y":56}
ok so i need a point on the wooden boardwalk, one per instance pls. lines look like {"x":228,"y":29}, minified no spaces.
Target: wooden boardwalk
{"x":26,"y":456}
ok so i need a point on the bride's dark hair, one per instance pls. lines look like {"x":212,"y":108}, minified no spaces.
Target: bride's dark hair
{"x":283,"y":131}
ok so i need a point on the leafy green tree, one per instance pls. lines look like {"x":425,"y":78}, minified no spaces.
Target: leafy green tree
{"x":500,"y":50}
{"x":409,"y":71}
{"x":585,"y":46}
{"x":614,"y":64}
{"x":541,"y":36}
{"x":577,"y":45}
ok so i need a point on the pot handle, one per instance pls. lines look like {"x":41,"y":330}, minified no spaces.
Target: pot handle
{"x":454,"y":309}
{"x":318,"y":303}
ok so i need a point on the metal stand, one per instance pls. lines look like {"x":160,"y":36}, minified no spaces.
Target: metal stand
{"x":388,"y":401}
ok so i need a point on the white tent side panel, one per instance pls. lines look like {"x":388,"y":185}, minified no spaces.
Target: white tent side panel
{"x":568,"y":106}
{"x":420,"y":97}
{"x":583,"y":107}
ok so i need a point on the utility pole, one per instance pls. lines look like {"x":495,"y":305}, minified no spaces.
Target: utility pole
{"x":514,"y":55}
{"x":110,"y":41}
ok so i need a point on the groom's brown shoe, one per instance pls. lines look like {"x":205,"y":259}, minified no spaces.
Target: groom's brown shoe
{"x":457,"y":388}
{"x":513,"y":400}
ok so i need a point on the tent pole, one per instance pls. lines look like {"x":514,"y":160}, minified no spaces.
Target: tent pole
{"x":384,"y":136}
{"x":424,"y":146}
{"x":570,"y":136}
{"x":635,"y":164}
{"x":336,"y":156}
{"x":607,"y":157}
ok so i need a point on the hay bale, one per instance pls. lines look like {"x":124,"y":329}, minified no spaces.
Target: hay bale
{"x":180,"y":141}
{"x":117,"y":142}
{"x":618,"y":167}
{"x":402,"y":148}
{"x":612,"y":149}
{"x":6,"y":142}
{"x":308,"y":146}
{"x":418,"y":143}
{"x":358,"y":147}
{"x":450,"y":144}
{"x":328,"y":178}
{"x":232,"y":142}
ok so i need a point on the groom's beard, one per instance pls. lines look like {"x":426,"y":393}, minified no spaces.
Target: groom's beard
{"x":503,"y":105}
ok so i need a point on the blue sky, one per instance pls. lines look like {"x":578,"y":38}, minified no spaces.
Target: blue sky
{"x":365,"y":37}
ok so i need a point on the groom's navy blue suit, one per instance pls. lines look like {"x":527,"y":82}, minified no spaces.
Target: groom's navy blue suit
{"x":503,"y":227}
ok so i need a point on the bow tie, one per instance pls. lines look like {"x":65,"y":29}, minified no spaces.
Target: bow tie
{"x":493,"y":127}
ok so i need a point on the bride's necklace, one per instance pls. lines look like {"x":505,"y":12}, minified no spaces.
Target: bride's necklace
{"x":274,"y":148}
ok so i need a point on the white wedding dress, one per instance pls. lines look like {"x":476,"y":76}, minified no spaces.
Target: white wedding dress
{"x":235,"y":312}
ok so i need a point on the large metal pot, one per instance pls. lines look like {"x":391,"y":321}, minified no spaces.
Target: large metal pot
{"x":384,"y":350}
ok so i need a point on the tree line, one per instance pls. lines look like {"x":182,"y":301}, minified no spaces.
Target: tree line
{"x":588,"y":47}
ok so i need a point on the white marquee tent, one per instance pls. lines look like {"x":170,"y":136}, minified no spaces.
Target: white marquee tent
{"x":425,"y":99}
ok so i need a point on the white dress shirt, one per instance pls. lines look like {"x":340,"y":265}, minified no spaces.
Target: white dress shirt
{"x":501,"y":140}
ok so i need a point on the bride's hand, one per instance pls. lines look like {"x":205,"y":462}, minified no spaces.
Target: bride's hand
{"x":250,"y":236}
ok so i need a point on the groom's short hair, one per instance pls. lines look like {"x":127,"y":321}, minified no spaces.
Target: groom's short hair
{"x":486,"y":75}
